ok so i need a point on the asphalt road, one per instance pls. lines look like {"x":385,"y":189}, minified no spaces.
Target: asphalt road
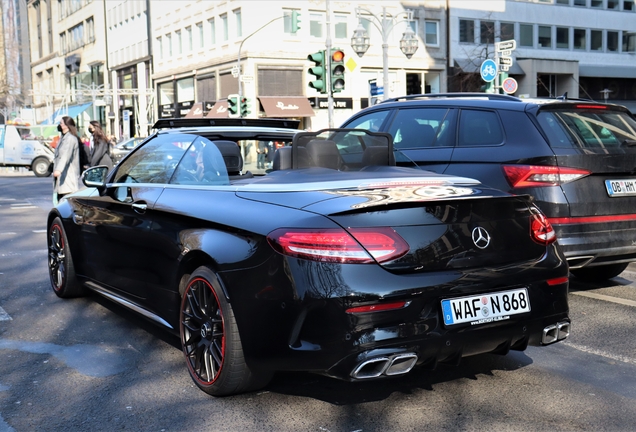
{"x":89,"y":365}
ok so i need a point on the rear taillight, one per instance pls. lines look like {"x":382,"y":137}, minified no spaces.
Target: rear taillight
{"x":378,"y":307}
{"x":539,"y":175}
{"x":359,"y":245}
{"x":541,"y":230}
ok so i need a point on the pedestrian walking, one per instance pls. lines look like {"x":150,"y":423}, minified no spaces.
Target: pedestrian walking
{"x":66,"y":162}
{"x":100,"y":148}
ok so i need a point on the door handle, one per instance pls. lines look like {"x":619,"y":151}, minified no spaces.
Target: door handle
{"x":140,"y":207}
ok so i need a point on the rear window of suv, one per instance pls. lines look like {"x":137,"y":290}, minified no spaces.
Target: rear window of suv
{"x":588,"y":128}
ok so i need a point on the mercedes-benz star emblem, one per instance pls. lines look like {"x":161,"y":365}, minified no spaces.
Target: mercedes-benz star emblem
{"x":481,"y":238}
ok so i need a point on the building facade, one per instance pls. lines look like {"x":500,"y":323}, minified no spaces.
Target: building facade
{"x":586,"y":48}
{"x":68,"y":60}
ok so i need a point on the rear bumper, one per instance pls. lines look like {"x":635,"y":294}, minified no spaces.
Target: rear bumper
{"x":590,"y":244}
{"x":310,"y":330}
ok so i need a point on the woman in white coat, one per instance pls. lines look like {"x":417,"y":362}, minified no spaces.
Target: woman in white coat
{"x":66,"y":164}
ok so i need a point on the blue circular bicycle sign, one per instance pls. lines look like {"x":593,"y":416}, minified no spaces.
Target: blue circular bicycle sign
{"x":488,"y":70}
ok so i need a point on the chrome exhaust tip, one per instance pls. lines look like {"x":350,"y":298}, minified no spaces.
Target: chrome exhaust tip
{"x":401,"y":364}
{"x":371,"y":368}
{"x":563,"y":330}
{"x":550,"y":334}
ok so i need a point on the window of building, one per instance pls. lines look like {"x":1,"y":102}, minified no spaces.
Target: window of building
{"x":597,"y":3}
{"x":200,"y":33}
{"x":287,"y":22}
{"x":526,"y":35}
{"x":185,"y":90}
{"x":38,"y":12}
{"x":212,"y":27}
{"x":160,"y":48}
{"x":612,"y":41}
{"x":563,"y":37}
{"x":487,"y":32}
{"x":63,"y":47}
{"x":238,"y":20}
{"x":340,"y":27}
{"x":90,"y":30}
{"x":628,"y":5}
{"x":563,"y":2}
{"x":274,"y":81}
{"x":580,"y":3}
{"x":612,"y":4}
{"x":596,"y":40}
{"x":507,"y":31}
{"x":188,"y":41}
{"x":579,"y":39}
{"x":178,"y":42}
{"x":545,"y":37}
{"x":316,"y":21}
{"x":77,"y":36}
{"x":467,"y":31}
{"x":432,"y":32}
{"x":226,"y":31}
{"x":629,"y":42}
{"x":169,"y":45}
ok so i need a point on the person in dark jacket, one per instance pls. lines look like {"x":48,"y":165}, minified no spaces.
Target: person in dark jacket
{"x":100,"y":150}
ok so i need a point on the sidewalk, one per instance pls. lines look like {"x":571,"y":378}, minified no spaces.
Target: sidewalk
{"x":15,"y":172}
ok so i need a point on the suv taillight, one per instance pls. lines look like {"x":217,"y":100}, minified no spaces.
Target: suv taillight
{"x":359,"y":246}
{"x":541,"y":175}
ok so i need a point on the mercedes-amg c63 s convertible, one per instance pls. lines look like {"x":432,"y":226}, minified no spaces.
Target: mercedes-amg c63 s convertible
{"x":334,"y":260}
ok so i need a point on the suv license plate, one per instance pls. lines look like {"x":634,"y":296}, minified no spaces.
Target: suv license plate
{"x":616,"y":188}
{"x":485,"y":308}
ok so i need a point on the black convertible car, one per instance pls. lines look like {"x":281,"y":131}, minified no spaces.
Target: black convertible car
{"x":335,"y":261}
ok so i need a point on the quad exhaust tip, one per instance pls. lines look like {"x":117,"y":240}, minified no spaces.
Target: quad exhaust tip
{"x":397,"y":364}
{"x":555,"y":332}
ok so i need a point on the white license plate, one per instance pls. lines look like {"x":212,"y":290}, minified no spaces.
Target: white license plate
{"x":616,"y":188}
{"x":485,"y":308}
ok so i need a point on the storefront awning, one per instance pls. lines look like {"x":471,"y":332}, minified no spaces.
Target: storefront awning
{"x":72,"y":111}
{"x":195,"y":111}
{"x":286,"y":106}
{"x":473,"y":66}
{"x":219,"y":110}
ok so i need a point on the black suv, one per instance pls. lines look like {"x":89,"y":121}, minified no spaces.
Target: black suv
{"x":576,"y":157}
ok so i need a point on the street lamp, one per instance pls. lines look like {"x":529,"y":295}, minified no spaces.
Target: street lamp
{"x":385,"y":24}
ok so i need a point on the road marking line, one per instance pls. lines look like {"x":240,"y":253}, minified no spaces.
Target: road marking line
{"x":39,"y":231}
{"x":7,"y":233}
{"x":4,"y":316}
{"x":594,"y":351}
{"x":22,"y":207}
{"x":624,"y":302}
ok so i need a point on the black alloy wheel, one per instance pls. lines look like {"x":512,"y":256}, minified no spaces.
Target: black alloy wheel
{"x":61,"y":270}
{"x":210,"y":339}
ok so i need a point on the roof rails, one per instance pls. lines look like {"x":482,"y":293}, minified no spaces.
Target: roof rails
{"x":489,"y":96}
{"x":171,"y":123}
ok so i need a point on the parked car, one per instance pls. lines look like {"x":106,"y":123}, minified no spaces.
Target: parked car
{"x":575,"y":157}
{"x":119,"y":150}
{"x":336,"y":261}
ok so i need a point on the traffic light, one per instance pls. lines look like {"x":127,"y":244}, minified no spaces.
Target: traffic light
{"x":233,"y":105}
{"x":337,"y":70}
{"x":318,"y":70}
{"x":245,"y":106}
{"x":295,"y":21}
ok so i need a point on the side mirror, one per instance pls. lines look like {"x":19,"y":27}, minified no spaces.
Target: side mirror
{"x":95,"y":177}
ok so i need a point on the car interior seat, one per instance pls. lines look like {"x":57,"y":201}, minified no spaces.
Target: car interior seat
{"x":414,"y":134}
{"x":231,"y":153}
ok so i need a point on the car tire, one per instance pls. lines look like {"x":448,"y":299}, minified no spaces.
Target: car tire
{"x":41,"y":167}
{"x":210,"y":339}
{"x":599,"y":273}
{"x":61,"y":270}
